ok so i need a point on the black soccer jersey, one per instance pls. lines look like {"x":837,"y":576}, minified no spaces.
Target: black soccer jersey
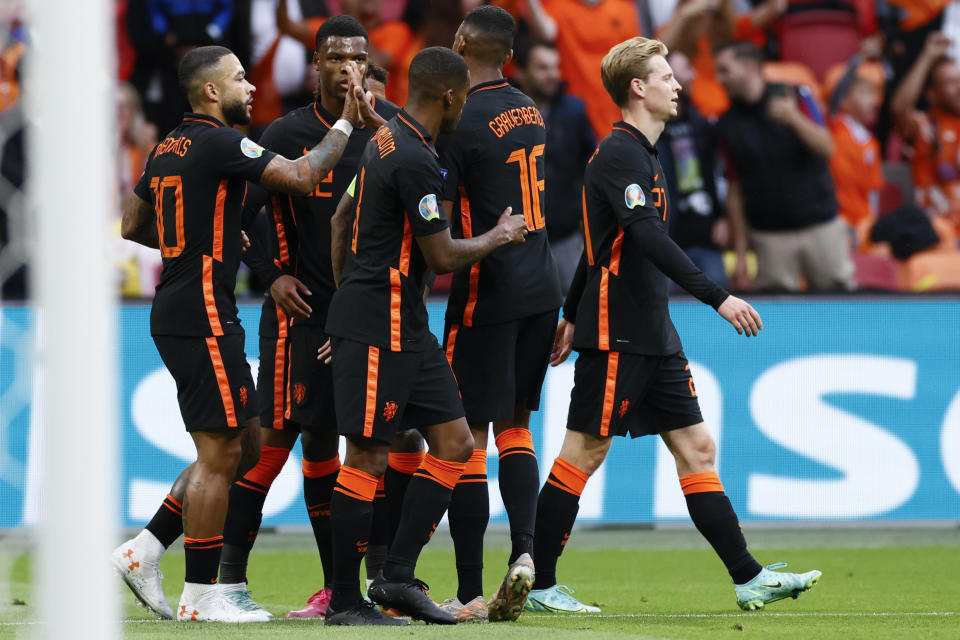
{"x":300,"y":225}
{"x":380,"y":299}
{"x":623,"y":306}
{"x":492,"y":161}
{"x":196,"y":179}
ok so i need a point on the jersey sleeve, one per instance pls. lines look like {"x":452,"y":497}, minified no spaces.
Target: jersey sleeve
{"x":628,"y":185}
{"x":238,"y":156}
{"x":420,"y":186}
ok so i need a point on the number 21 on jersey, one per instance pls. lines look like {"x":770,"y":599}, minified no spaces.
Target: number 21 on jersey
{"x":531,"y":185}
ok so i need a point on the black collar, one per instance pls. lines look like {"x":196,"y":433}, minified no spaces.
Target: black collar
{"x":406,"y":120}
{"x":189,"y":116}
{"x":635,"y":133}
{"x":485,"y":86}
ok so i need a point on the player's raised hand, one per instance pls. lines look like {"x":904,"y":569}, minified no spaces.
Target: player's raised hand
{"x":351,"y":106}
{"x":741,"y":315}
{"x":562,"y":343}
{"x":370,"y":118}
{"x":325,"y":352}
{"x":514,"y":227}
{"x":286,"y":291}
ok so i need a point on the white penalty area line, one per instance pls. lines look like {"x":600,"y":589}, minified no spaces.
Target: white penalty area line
{"x":600,"y":616}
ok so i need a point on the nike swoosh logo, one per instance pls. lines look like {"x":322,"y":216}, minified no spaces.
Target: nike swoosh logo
{"x":772,"y":586}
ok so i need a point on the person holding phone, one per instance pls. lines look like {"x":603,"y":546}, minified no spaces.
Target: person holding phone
{"x":781,"y":195}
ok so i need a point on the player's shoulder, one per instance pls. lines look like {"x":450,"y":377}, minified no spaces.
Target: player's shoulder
{"x":401,"y":144}
{"x":280,"y":132}
{"x":621,"y":146}
{"x":385,"y":109}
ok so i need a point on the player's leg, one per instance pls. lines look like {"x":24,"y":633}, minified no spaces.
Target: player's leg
{"x":405,"y":457}
{"x":433,"y":400}
{"x":672,"y":401}
{"x":310,"y":403}
{"x":137,"y":560}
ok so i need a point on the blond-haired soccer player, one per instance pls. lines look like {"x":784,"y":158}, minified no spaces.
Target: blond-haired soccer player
{"x":631,"y":375}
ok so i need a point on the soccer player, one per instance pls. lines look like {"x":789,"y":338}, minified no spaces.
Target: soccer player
{"x":295,"y":390}
{"x":631,"y":374}
{"x":502,"y":310}
{"x":188,"y":203}
{"x":388,"y":369}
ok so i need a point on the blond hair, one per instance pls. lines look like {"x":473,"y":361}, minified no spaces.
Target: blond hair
{"x":628,"y":60}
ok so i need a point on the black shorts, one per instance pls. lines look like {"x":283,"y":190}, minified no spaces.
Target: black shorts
{"x":615,"y":394}
{"x":310,"y":385}
{"x":272,"y":382}
{"x":214,"y":386}
{"x":500,"y":367}
{"x":379,"y":392}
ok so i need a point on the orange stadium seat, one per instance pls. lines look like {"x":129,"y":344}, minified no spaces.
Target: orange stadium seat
{"x":876,"y":272}
{"x":818,"y":38}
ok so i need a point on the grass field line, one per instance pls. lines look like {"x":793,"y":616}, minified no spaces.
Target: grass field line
{"x":802,"y":614}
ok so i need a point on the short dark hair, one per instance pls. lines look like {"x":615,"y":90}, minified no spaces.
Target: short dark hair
{"x":493,"y":29}
{"x":378,"y":73}
{"x":525,"y":46}
{"x":435,"y":70}
{"x":195,"y":64}
{"x":742,"y":50}
{"x":342,"y":26}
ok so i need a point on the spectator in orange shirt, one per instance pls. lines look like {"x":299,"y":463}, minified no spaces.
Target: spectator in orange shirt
{"x":856,"y":164}
{"x":701,"y":26}
{"x":935,"y":135}
{"x":584,"y":31}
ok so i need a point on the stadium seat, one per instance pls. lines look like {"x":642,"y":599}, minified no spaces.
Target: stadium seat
{"x":818,"y":38}
{"x":890,"y":198}
{"x":876,"y":272}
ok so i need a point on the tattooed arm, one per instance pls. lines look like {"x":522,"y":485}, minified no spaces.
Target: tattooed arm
{"x":139,"y":222}
{"x":299,"y":177}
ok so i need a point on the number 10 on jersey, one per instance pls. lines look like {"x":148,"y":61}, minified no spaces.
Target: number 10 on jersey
{"x":531,"y":185}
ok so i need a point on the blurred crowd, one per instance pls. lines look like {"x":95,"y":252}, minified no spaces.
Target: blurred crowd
{"x":817,"y":146}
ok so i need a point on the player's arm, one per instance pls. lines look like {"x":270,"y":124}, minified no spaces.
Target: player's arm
{"x":444,"y":254}
{"x":139,"y":222}
{"x":563,"y":341}
{"x":340,"y":225}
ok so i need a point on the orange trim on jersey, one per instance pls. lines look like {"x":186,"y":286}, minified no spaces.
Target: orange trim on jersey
{"x":609,"y":392}
{"x":706,"y":482}
{"x":218,"y":221}
{"x":627,"y":131}
{"x":588,"y":244}
{"x":603,"y":313}
{"x":406,"y":463}
{"x":466,"y":221}
{"x":212,"y":124}
{"x":209,"y":300}
{"x":320,"y":469}
{"x":320,"y":117}
{"x":406,"y":246}
{"x":516,"y":440}
{"x":567,"y":477}
{"x":452,"y":342}
{"x":373,"y":373}
{"x":615,"y":252}
{"x":356,"y":218}
{"x":395,"y":304}
{"x":356,"y":484}
{"x":222,"y":381}
{"x":417,"y":131}
{"x":279,"y":366}
{"x":283,"y":248}
{"x":493,"y":86}
{"x":443,"y":472}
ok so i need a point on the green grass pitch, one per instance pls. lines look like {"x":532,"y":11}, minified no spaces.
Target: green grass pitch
{"x":650,"y":583}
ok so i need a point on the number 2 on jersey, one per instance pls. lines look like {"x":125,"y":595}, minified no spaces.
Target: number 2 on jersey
{"x":531,"y":185}
{"x":159,"y":186}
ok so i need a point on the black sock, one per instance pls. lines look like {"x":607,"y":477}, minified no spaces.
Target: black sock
{"x":424,"y":505}
{"x":167,"y":523}
{"x":556,"y":512}
{"x":379,"y":535}
{"x":715,"y":519}
{"x":319,"y":478}
{"x":245,"y":511}
{"x":400,"y":469}
{"x":351,"y":514}
{"x":519,"y":482}
{"x":469,"y":513}
{"x":202,"y":559}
